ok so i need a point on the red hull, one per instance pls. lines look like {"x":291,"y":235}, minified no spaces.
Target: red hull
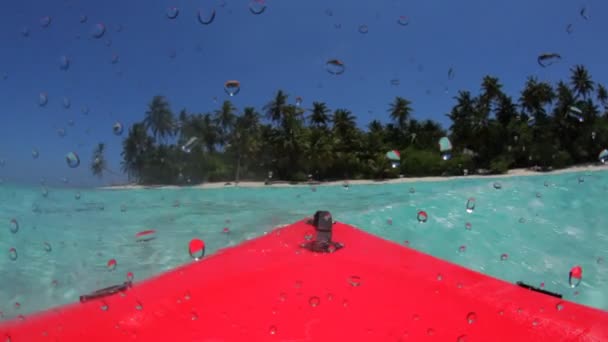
{"x":270,"y":289}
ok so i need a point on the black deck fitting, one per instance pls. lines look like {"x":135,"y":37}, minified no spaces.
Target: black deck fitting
{"x":108,"y":291}
{"x":323,"y":223}
{"x":536,"y":289}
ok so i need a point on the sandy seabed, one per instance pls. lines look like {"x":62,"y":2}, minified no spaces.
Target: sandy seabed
{"x":250,"y":184}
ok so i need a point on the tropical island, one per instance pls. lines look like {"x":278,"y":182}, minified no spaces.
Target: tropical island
{"x":544,"y":127}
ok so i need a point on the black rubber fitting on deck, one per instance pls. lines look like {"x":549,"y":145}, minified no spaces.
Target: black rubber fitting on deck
{"x":536,"y":289}
{"x":323,"y":223}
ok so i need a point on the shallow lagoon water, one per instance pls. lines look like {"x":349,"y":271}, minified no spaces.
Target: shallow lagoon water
{"x":545,"y":224}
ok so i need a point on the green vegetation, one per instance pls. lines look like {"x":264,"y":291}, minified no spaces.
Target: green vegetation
{"x":490,"y":131}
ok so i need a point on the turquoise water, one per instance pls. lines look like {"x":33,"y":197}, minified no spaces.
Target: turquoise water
{"x":546,"y":224}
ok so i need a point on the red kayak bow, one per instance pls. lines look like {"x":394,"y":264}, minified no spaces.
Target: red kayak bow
{"x":316,"y":281}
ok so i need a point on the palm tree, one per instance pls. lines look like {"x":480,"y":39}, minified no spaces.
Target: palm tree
{"x":346,"y":142}
{"x":289,"y":141}
{"x":535,"y":96}
{"x":400,"y":112}
{"x":98,"y":163}
{"x":581,"y":81}
{"x":225,"y":119}
{"x":159,"y":118}
{"x":208,"y":130}
{"x":491,"y":88}
{"x":274,"y":109}
{"x":427,"y":134}
{"x":245,"y":137}
{"x":602,"y":96}
{"x":344,"y":122}
{"x":135,"y":147}
{"x":463,"y":117}
{"x":506,"y":110}
{"x":319,"y":118}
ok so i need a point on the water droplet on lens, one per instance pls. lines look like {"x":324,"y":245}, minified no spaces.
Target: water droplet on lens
{"x":117,"y":128}
{"x":172,"y":12}
{"x":14,"y":226}
{"x":257,"y":6}
{"x":363,"y":29}
{"x":422,"y":216}
{"x":575,"y":276}
{"x":535,"y":322}
{"x":308,"y":236}
{"x":130,"y":276}
{"x":497,"y":185}
{"x":462,"y":249}
{"x":470,"y":205}
{"x":25,"y":32}
{"x":43,"y":99}
{"x":559,"y":306}
{"x":104,"y":306}
{"x":471,"y":317}
{"x":504,"y":256}
{"x":193,"y":316}
{"x":138,"y":305}
{"x":83,"y":18}
{"x":439,"y":277}
{"x":111,"y":265}
{"x":64,"y":63}
{"x":581,"y":179}
{"x":412,"y":190}
{"x":206,"y":17}
{"x":468,"y":226}
{"x":272,"y":330}
{"x":98,"y":31}
{"x":314,"y":301}
{"x":77,"y":196}
{"x":47,"y":247}
{"x":232,"y":87}
{"x":72,"y":160}
{"x":354,"y":281}
{"x":335,"y":67}
{"x":45,"y":21}
{"x":12,"y":254}
{"x":196,"y":248}
{"x":403,"y":20}
{"x":522,"y":220}
{"x":430,"y":331}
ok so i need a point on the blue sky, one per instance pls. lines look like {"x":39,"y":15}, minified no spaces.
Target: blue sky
{"x":286,"y":48}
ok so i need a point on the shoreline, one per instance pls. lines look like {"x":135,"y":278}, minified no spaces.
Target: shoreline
{"x":280,"y":184}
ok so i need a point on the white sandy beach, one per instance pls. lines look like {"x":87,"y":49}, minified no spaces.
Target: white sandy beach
{"x":250,"y":184}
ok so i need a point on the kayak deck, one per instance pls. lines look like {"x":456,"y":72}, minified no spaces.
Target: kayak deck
{"x":272,"y":289}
